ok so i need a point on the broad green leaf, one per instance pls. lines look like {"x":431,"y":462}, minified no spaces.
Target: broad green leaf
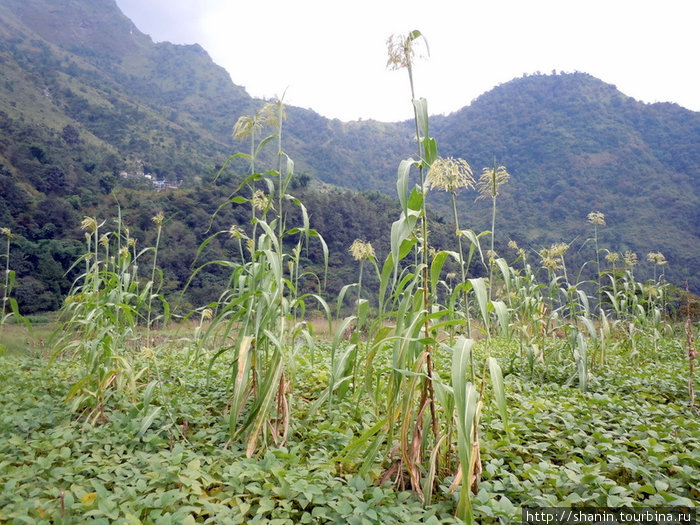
{"x":503,"y":316}
{"x":147,"y":421}
{"x":499,"y":391}
{"x":505,"y":272}
{"x":436,"y":268}
{"x":415,"y":203}
{"x":402,"y":182}
{"x":429,"y":150}
{"x":421,"y":111}
{"x":482,"y":299}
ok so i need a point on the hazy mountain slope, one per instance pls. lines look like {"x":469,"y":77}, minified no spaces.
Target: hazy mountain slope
{"x":574,"y":144}
{"x":86,"y":64}
{"x":85,"y":96}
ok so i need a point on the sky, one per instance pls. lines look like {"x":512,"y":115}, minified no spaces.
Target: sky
{"x":330,"y":55}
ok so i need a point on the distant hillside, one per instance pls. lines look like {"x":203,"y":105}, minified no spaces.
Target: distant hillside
{"x":86,"y":98}
{"x":574,"y":144}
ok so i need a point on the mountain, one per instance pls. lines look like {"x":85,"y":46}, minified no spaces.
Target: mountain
{"x":89,"y":105}
{"x":573,"y":145}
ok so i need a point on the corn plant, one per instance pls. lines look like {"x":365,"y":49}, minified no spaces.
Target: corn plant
{"x":467,"y":411}
{"x":417,"y":420}
{"x":7,"y":288}
{"x":597,"y":219}
{"x":254,"y":322}
{"x":453,"y":175}
{"x":467,"y":403}
{"x":489,"y":183}
{"x":101,"y":316}
{"x":361,"y":251}
{"x":408,"y":232}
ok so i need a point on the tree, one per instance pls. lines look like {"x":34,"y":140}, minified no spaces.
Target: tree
{"x":70,"y":135}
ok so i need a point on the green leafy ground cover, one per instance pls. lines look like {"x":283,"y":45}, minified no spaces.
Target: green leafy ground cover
{"x":630,"y":440}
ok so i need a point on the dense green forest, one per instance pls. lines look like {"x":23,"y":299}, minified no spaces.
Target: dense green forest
{"x":92,"y":117}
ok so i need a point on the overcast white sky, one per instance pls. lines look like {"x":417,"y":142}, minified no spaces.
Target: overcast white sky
{"x":330,"y":55}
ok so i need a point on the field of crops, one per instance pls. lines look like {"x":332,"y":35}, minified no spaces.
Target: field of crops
{"x":630,"y":439}
{"x":447,"y":384}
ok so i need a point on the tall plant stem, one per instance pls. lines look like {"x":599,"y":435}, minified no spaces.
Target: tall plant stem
{"x":597,"y":261}
{"x":462,"y":269}
{"x":493,"y":240}
{"x":358,"y":327}
{"x":692,"y":353}
{"x":492,"y":179}
{"x":5,"y":290}
{"x":280,"y":153}
{"x":158,"y":219}
{"x":282,"y":402}
{"x":427,"y":393}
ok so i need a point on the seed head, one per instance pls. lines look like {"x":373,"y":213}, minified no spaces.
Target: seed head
{"x":612,"y":257}
{"x":549,"y":262}
{"x":400,"y":52}
{"x":558,"y":249}
{"x":6,"y":232}
{"x":243,"y":128}
{"x":650,"y":290}
{"x":104,"y":240}
{"x":657,"y":258}
{"x":491,"y":179}
{"x":512,"y":245}
{"x":158,"y":219}
{"x":236,"y":232}
{"x":552,"y":257}
{"x":261,"y":201}
{"x":361,"y":250}
{"x":597,"y":218}
{"x":450,"y":174}
{"x":268,"y":116}
{"x":89,"y":223}
{"x":630,"y":258}
{"x":270,"y":113}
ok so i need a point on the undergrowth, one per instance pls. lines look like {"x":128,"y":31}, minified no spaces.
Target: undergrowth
{"x":628,"y":440}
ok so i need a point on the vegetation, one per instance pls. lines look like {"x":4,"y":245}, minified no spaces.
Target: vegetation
{"x":454,"y":383}
{"x":629,"y":440}
{"x":85,"y":115}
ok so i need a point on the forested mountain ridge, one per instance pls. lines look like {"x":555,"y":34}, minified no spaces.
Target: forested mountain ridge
{"x":575,"y":144}
{"x":85,"y":98}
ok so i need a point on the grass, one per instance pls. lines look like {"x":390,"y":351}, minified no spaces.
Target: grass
{"x":628,"y":440}
{"x":20,"y":340}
